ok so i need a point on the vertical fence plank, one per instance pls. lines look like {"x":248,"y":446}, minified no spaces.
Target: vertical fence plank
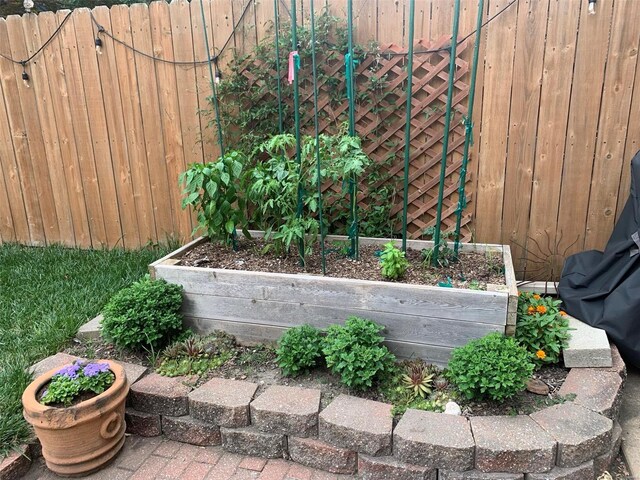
{"x":57,"y":79}
{"x":632,"y":146}
{"x":152,"y":126}
{"x":208,"y":135}
{"x":525,"y":101}
{"x":612,"y":128}
{"x":132,"y":116}
{"x":117,"y":134}
{"x":85,"y":36}
{"x":8,"y":233}
{"x":33,"y":132}
{"x":53,"y":156}
{"x":186,"y":79}
{"x":391,"y":22}
{"x":542,"y":261}
{"x":82,"y":133}
{"x":170,"y":113}
{"x":495,"y":122}
{"x":13,"y":211}
{"x":586,"y":96}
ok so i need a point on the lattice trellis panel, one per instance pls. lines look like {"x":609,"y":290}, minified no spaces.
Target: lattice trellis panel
{"x":381,"y":117}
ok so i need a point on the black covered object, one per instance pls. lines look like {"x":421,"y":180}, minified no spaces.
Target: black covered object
{"x":603,"y":288}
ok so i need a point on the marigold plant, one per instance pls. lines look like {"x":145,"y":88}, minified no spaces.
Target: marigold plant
{"x":542,"y":328}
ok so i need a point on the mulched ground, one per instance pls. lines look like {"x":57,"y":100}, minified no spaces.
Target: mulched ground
{"x":472,"y":267}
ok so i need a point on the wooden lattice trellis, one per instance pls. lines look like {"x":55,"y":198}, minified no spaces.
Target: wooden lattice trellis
{"x":380,"y":120}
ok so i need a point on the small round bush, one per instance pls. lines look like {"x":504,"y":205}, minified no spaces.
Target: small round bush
{"x":145,"y":314}
{"x":299,"y":349}
{"x":355,"y":352}
{"x":494,"y":366}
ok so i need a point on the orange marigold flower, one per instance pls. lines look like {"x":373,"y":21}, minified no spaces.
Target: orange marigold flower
{"x":563,"y":313}
{"x":536,"y":296}
{"x":531,"y":310}
{"x":541,"y":355}
{"x":541,"y":309}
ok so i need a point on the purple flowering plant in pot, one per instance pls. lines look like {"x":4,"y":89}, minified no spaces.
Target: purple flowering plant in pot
{"x":77,"y":412}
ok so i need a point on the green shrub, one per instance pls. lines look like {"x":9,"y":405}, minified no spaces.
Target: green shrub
{"x":299,"y":349}
{"x":355,"y":352}
{"x":493,"y":366}
{"x":393,"y":262}
{"x":143,"y":315}
{"x":542,"y":328}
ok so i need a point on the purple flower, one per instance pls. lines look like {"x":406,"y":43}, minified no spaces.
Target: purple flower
{"x":93,"y":369}
{"x":70,"y":371}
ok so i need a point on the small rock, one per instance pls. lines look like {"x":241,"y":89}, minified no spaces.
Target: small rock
{"x":452,"y":408}
{"x":538,"y":387}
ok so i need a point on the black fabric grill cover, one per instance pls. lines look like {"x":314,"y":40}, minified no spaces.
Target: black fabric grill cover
{"x":603,"y":288}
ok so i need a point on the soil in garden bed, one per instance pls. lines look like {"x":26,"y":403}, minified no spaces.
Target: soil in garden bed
{"x":473,"y":270}
{"x":257,"y":364}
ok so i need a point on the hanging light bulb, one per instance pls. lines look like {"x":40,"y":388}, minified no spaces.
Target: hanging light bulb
{"x":98,"y":42}
{"x":592,"y":7}
{"x":28,"y":5}
{"x":25,"y":79}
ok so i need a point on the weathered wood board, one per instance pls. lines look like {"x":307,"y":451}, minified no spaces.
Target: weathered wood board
{"x":420,"y":321}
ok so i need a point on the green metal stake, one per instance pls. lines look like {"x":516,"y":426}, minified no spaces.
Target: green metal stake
{"x":216,"y":106}
{"x":317,"y":134}
{"x":276,"y":12}
{"x":349,"y":80}
{"x":447,"y":124}
{"x":407,"y":127}
{"x":468,"y":132}
{"x":296,"y":116}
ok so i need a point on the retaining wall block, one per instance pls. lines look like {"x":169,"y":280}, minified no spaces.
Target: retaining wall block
{"x":389,"y":468}
{"x":287,"y":410}
{"x":601,"y":463}
{"x":223,"y":402}
{"x":478,"y":475}
{"x":434,"y":440}
{"x":160,"y":395}
{"x":581,"y":472}
{"x":596,"y":389}
{"x":142,"y":423}
{"x":512,"y":445}
{"x":581,"y":434}
{"x":16,"y":465}
{"x":357,"y":424}
{"x":250,"y":441}
{"x":189,"y":430}
{"x":317,"y":454}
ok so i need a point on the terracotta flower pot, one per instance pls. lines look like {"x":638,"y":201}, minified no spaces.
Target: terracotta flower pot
{"x":82,"y":438}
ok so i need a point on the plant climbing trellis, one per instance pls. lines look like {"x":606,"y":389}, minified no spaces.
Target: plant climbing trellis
{"x":432,"y":132}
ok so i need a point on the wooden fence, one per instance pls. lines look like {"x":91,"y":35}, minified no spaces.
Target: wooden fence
{"x":90,"y":151}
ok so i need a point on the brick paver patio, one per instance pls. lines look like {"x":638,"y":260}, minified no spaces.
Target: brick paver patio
{"x":158,"y":458}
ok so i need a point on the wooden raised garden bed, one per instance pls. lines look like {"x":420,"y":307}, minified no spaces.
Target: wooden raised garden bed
{"x":421,"y":321}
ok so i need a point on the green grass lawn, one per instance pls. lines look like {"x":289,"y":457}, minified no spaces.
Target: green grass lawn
{"x":45,"y":295}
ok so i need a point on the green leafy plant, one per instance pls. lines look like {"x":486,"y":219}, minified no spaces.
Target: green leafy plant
{"x":299,"y":349}
{"x":446,"y":256}
{"x":214,"y":191}
{"x":71,"y":381}
{"x":541,"y":327}
{"x":145,"y":314}
{"x":196,"y":355}
{"x":393,"y":263}
{"x":494,"y":366}
{"x":355,"y":352}
{"x":418,"y":377}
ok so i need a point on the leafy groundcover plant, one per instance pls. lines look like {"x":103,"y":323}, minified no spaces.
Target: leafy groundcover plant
{"x":542,"y":328}
{"x":72,"y":381}
{"x":494,"y":366}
